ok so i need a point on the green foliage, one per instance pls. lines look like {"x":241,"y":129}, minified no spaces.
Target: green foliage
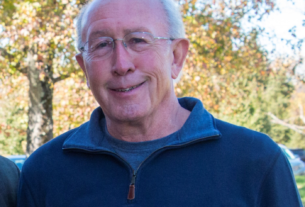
{"x":229,"y":71}
{"x":13,"y":116}
{"x":13,"y":132}
{"x":300,"y":180}
{"x":264,"y":94}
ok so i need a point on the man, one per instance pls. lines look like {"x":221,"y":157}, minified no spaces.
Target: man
{"x":143,"y":146}
{"x":9,"y":178}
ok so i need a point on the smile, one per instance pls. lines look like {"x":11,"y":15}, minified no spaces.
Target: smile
{"x":128,"y":89}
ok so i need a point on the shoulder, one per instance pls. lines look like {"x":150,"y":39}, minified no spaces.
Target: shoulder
{"x":8,"y":168}
{"x":45,"y":155}
{"x":7,"y":164}
{"x":256,"y":157}
{"x":244,"y":136}
{"x":9,"y":178}
{"x":234,"y":130}
{"x":250,"y":145}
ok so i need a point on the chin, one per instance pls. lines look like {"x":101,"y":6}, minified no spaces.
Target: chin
{"x":128,"y":117}
{"x":130,"y":113}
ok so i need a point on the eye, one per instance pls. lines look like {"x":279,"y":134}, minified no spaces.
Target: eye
{"x":101,"y":45}
{"x":137,"y":40}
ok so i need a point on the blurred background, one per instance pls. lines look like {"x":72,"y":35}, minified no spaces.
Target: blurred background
{"x":245,"y":63}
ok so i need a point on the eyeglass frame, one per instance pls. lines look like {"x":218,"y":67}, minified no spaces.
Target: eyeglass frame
{"x":82,"y":49}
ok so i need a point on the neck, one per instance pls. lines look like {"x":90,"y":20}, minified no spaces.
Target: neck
{"x":161,"y":123}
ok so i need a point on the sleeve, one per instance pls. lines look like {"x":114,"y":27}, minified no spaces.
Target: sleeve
{"x":26,"y":197}
{"x":278,"y":188}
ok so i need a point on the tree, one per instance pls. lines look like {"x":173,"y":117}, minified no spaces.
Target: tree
{"x":38,"y":41}
{"x":229,"y":71}
{"x":13,"y":120}
{"x":295,"y":120}
{"x":73,"y":104}
{"x":226,"y":68}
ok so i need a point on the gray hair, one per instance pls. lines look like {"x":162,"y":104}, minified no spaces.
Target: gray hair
{"x":172,"y":12}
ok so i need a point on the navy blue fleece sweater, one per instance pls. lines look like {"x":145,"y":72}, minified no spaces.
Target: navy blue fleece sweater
{"x":212,"y":163}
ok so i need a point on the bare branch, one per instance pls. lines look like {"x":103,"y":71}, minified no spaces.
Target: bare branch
{"x":294,"y":127}
{"x":302,"y":117}
{"x":23,"y":70}
{"x":4,"y":53}
{"x":60,"y":78}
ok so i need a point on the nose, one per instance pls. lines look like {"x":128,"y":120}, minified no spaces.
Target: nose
{"x":122,"y":60}
{"x":123,"y":42}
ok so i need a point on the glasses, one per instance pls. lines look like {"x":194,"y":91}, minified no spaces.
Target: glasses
{"x":102,"y":47}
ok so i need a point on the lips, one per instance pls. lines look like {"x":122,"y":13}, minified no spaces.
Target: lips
{"x":127,"y":89}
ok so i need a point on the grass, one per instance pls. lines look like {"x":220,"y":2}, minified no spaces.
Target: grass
{"x":301,"y":186}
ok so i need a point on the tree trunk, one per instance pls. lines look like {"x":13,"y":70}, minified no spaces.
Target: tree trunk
{"x":40,"y":121}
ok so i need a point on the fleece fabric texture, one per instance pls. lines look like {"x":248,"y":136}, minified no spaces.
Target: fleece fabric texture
{"x":212,"y":163}
{"x":136,"y":152}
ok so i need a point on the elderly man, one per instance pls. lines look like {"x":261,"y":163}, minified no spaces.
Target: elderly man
{"x":143,"y":146}
{"x":9,"y":178}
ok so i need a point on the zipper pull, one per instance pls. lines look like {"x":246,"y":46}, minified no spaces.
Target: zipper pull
{"x":132,"y":188}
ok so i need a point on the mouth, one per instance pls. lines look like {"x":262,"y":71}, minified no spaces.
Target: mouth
{"x":128,"y":89}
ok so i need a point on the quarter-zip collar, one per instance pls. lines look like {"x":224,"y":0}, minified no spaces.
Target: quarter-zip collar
{"x":91,"y":135}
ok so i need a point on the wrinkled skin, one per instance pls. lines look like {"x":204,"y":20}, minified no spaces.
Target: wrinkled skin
{"x":153,"y":100}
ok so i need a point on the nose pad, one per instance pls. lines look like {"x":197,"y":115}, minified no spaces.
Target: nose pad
{"x":124,"y":43}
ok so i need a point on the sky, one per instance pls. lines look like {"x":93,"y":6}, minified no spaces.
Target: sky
{"x":291,"y":13}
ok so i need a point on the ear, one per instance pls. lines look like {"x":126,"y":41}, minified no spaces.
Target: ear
{"x":180,"y":49}
{"x":80,"y":59}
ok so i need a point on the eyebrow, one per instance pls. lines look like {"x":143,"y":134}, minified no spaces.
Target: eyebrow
{"x":137,"y":29}
{"x":99,"y":33}
{"x":105,"y":33}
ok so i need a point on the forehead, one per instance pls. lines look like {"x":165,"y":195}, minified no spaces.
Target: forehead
{"x":116,"y":17}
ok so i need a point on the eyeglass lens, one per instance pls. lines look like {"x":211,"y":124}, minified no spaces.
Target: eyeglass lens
{"x":102,"y":46}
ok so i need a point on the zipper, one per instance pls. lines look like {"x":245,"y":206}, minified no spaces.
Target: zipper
{"x":132,"y":186}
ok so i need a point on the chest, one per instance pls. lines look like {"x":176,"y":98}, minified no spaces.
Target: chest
{"x":170,"y":178}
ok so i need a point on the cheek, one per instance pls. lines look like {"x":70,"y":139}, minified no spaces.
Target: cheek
{"x":158,"y":71}
{"x":96,"y":71}
{"x":155,"y":63}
